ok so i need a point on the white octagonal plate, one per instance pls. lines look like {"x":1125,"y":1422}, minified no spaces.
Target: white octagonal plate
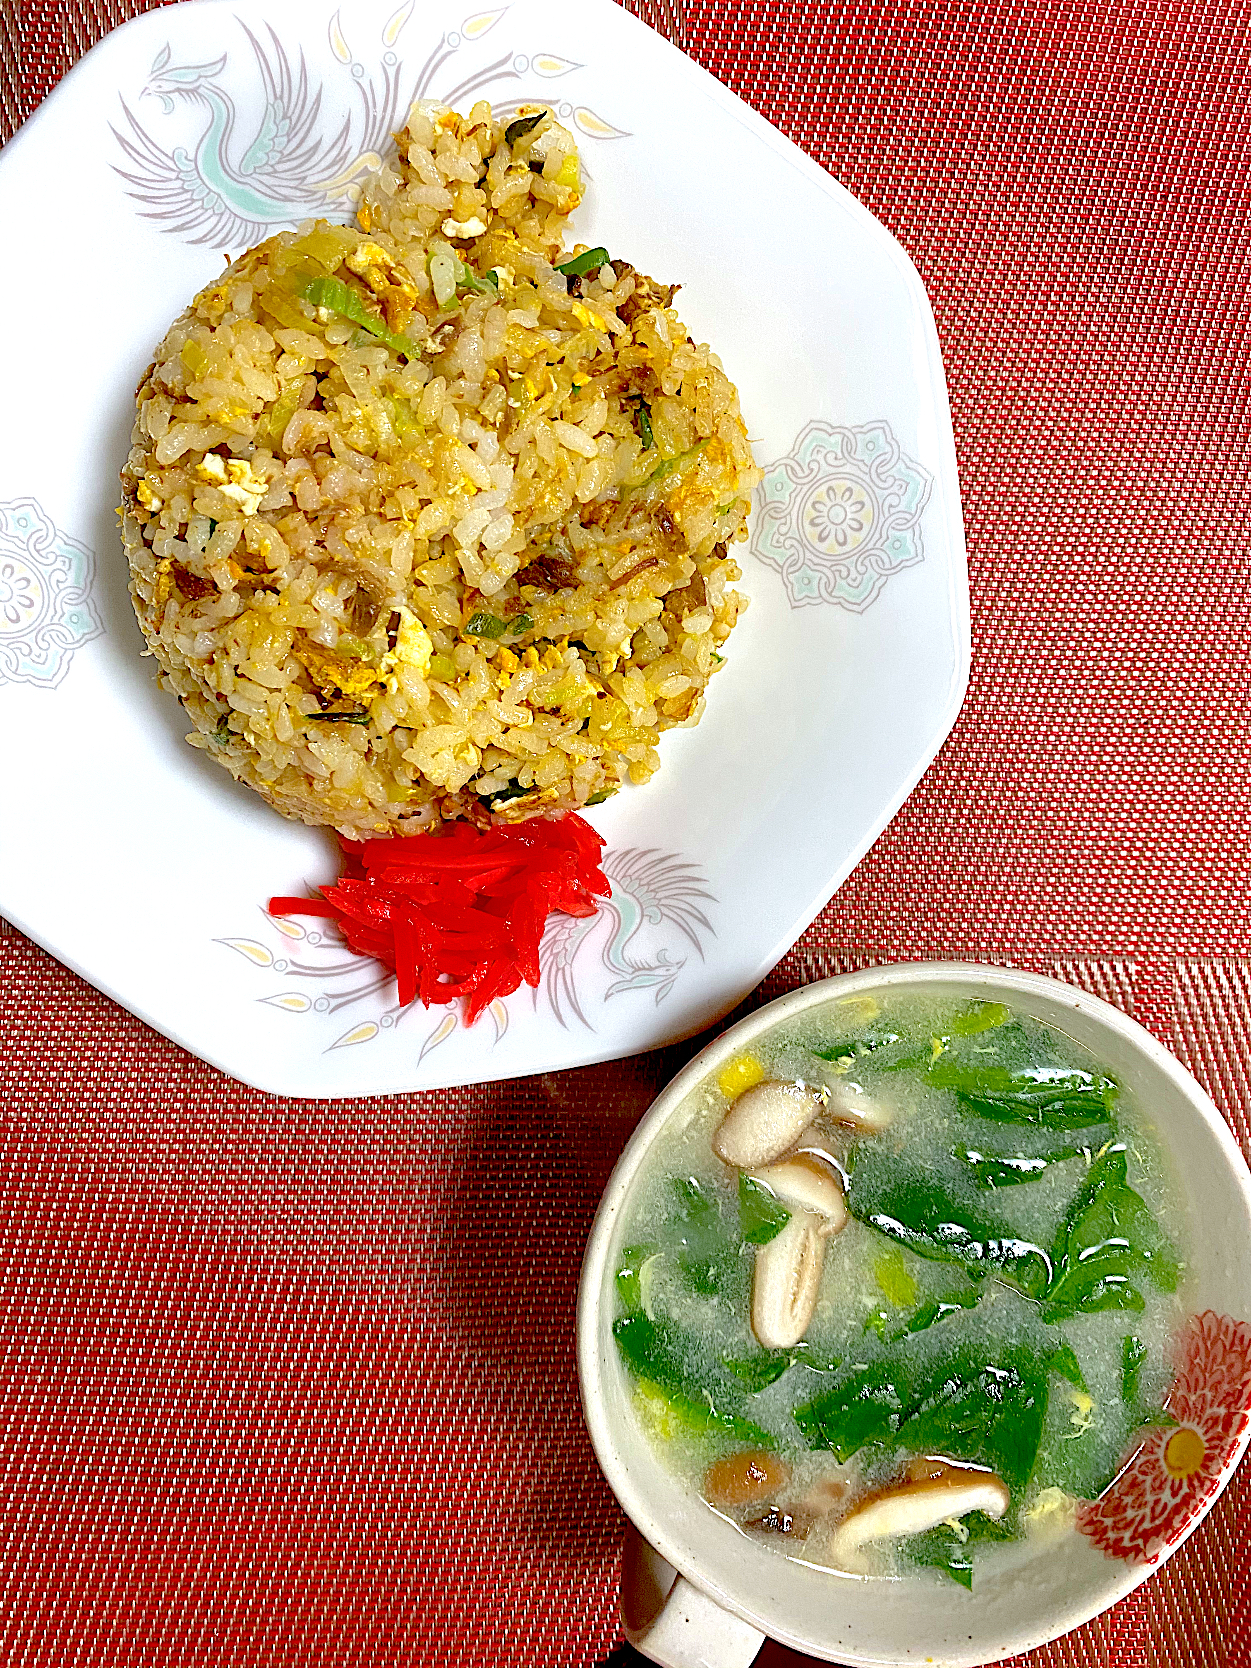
{"x":145,"y":867}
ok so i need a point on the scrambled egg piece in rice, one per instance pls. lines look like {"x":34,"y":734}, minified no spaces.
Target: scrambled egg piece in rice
{"x":428,"y":518}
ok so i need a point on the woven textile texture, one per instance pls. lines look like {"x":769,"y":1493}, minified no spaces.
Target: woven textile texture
{"x":292,"y":1382}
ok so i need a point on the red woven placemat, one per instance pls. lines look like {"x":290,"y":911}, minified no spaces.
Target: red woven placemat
{"x":293,"y":1382}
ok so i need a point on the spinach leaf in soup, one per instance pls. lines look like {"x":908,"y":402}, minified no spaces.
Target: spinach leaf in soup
{"x":864,"y":1407}
{"x":994,"y":1160}
{"x":965,"y":1407}
{"x":707,"y":1245}
{"x":630,"y":1276}
{"x":980,"y":1017}
{"x":939,"y":1309}
{"x":763,"y":1368}
{"x":1058,"y":1097}
{"x":762,"y":1213}
{"x":952,"y":1549}
{"x":1063,"y":1361}
{"x":977,"y":1033}
{"x":843,"y":1055}
{"x":1084,"y":1441}
{"x":986,"y":1412}
{"x":1003,"y":1069}
{"x":1108,"y":1244}
{"x":656,"y":1354}
{"x":758,"y":1371}
{"x":1133,"y":1354}
{"x":940,"y":1218}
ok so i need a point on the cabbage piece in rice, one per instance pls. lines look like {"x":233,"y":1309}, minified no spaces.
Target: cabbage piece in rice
{"x":420,"y":528}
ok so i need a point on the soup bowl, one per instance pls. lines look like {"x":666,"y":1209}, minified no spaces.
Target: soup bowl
{"x":696,"y":1590}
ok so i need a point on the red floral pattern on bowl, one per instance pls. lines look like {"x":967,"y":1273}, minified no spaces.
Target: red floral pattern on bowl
{"x":1167,"y":1481}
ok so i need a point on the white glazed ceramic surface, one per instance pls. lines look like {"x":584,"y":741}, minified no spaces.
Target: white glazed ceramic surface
{"x":140,"y":863}
{"x":1014,"y":1606}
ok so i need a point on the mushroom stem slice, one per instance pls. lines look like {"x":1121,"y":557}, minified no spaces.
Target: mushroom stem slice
{"x":808,"y":1184}
{"x":786,"y":1281}
{"x":764,"y":1122}
{"x":847,"y":1103}
{"x":913,"y":1508}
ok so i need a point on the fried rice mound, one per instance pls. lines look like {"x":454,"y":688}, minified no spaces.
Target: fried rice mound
{"x":419,"y":525}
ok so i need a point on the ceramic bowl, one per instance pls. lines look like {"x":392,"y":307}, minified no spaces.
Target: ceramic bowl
{"x":696,"y":1590}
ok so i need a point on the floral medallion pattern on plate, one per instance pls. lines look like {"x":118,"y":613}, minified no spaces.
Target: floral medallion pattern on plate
{"x":244,"y":171}
{"x":645,"y":932}
{"x":1168,"y":1479}
{"x":840,"y":514}
{"x":46,"y":610}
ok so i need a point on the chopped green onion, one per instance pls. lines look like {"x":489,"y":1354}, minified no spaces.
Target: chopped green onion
{"x":523,"y":126}
{"x":501,"y":796}
{"x":671,"y":466}
{"x":337,"y":717}
{"x":336,"y":297}
{"x":488,"y":625}
{"x":643,"y":422}
{"x":601,"y":796}
{"x":351,"y":647}
{"x":273,"y":425}
{"x":580,"y":265}
{"x":468,"y":279}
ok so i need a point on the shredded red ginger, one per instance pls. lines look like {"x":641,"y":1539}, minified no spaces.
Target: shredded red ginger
{"x":460,"y":912}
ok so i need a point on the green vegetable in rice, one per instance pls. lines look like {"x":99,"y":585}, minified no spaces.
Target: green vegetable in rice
{"x":337,"y":297}
{"x":522,"y":127}
{"x":589,"y":261}
{"x":482,"y":624}
{"x":643,"y":421}
{"x":674,"y":465}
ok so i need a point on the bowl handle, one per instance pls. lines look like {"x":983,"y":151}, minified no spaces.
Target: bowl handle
{"x":672,"y":1622}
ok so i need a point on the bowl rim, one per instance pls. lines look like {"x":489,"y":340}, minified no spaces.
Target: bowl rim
{"x":591,"y":1284}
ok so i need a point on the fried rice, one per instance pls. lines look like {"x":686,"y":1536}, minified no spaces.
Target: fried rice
{"x":421,"y":527}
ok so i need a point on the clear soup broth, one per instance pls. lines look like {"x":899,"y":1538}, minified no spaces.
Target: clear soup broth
{"x":897,"y":1286}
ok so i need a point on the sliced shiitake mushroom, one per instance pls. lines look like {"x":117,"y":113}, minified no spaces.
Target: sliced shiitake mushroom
{"x":912,"y":1507}
{"x":765,"y":1122}
{"x":786,"y":1281}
